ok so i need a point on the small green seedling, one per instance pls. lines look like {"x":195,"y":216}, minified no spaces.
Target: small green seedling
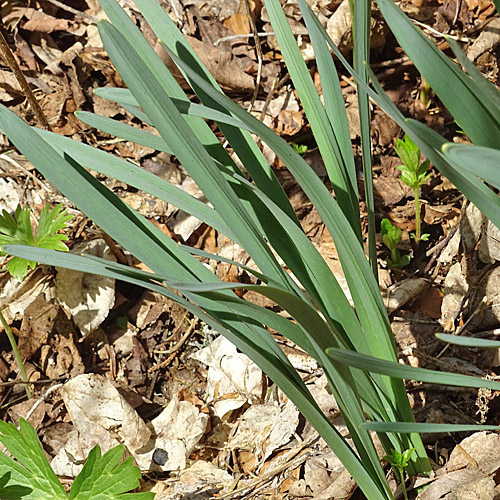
{"x":425,"y":93}
{"x":17,"y":230}
{"x":31,"y":477}
{"x":399,"y":462}
{"x":391,"y":235}
{"x":414,"y":175}
{"x":299,"y":148}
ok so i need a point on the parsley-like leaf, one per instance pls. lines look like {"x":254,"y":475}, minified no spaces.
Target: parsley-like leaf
{"x":17,"y":230}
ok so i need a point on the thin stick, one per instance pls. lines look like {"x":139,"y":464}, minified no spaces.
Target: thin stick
{"x":259,"y":34}
{"x":40,"y":400}
{"x":79,"y":13}
{"x":11,"y":61}
{"x":258,"y":50}
{"x":13,"y":344}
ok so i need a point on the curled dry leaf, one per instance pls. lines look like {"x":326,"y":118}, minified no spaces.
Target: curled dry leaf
{"x":101,"y":416}
{"x":177,"y":430}
{"x":86,"y":297}
{"x":470,"y":472}
{"x":233,"y":379}
{"x":487,"y":302}
{"x":219,"y":62}
{"x":403,"y":292}
{"x":339,"y":27}
{"x":489,"y":247}
{"x":200,"y":477}
{"x":263,"y":428}
{"x":41,"y":22}
{"x":488,"y":39}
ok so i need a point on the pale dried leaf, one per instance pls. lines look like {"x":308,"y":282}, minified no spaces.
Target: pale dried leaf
{"x":477,"y":460}
{"x":39,"y":21}
{"x":451,"y":249}
{"x":233,"y":379}
{"x":471,"y":227}
{"x":191,"y":483}
{"x":102,"y":416}
{"x":489,"y":247}
{"x":455,"y":289}
{"x":488,"y":39}
{"x":403,"y":292}
{"x":87,"y":297}
{"x":263,"y":428}
{"x":177,"y":430}
{"x":16,"y":296}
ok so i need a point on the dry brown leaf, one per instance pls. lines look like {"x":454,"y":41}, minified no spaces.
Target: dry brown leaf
{"x":476,"y":459}
{"x":399,"y":294}
{"x":87,"y":297}
{"x":489,"y":247}
{"x":289,"y":122}
{"x":233,"y":379}
{"x":218,"y":60}
{"x":239,"y":24}
{"x":201,"y":476}
{"x":339,"y":27}
{"x":41,"y":22}
{"x":45,"y":327}
{"x":101,"y":416}
{"x":488,"y":39}
{"x":455,"y":289}
{"x":38,"y":323}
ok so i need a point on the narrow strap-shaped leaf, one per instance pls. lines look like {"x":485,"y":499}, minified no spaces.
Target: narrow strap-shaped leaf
{"x":241,"y":141}
{"x":344,"y":183}
{"x":478,"y":161}
{"x":361,"y":34}
{"x":409,"y":427}
{"x":397,"y":370}
{"x":186,"y":146}
{"x":184,"y":107}
{"x":468,"y":341}
{"x":122,"y":170}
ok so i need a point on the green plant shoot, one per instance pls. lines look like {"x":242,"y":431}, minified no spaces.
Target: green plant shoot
{"x":17,"y":230}
{"x":301,"y":149}
{"x":414,"y":175}
{"x":30,"y":475}
{"x":399,"y":461}
{"x":391,"y":236}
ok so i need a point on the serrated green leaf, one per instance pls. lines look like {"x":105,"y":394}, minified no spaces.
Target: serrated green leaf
{"x":18,"y":231}
{"x":31,"y":477}
{"x":105,"y":478}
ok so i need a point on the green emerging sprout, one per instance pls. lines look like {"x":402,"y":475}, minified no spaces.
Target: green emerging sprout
{"x":414,"y":175}
{"x":299,"y":148}
{"x":391,"y":235}
{"x":399,"y":462}
{"x":17,"y":230}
